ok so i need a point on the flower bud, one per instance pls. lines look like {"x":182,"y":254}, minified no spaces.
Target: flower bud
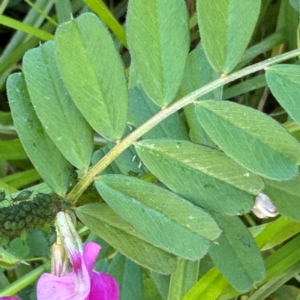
{"x":264,"y":207}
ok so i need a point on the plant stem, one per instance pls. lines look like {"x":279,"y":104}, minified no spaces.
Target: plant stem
{"x":22,"y":282}
{"x":89,"y":177}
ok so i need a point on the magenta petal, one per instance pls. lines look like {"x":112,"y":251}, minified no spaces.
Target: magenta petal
{"x":72,"y":286}
{"x":103,"y":287}
{"x":9,"y":298}
{"x":82,"y":283}
{"x":90,"y":254}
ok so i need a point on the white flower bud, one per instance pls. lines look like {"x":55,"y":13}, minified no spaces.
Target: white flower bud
{"x":264,"y":207}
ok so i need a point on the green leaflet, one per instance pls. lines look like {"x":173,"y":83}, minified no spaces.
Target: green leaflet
{"x":129,"y":277}
{"x":200,"y":174}
{"x":61,"y":119}
{"x":165,"y":219}
{"x":93,"y":73}
{"x":63,"y":10}
{"x":288,"y":22}
{"x":286,"y":197}
{"x":108,"y":18}
{"x":295,"y":4}
{"x":9,"y":261}
{"x":126,"y":163}
{"x":162,"y":283}
{"x":158,"y":40}
{"x":236,"y":254}
{"x":183,"y":279}
{"x":226,"y":28}
{"x":141,"y":109}
{"x":197,"y":74}
{"x":283,"y":81}
{"x":47,"y":159}
{"x":103,"y":221}
{"x":251,"y":138}
{"x":276,"y":264}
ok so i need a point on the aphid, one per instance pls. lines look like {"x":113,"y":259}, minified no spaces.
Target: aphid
{"x":2,"y":196}
{"x":24,"y":195}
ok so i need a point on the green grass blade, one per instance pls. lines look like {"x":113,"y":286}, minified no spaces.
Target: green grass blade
{"x":108,"y":19}
{"x":39,"y":33}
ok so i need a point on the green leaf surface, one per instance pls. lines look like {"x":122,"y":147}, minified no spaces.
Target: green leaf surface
{"x":288,"y":22}
{"x":266,"y":44}
{"x":38,"y":243}
{"x":200,"y":174}
{"x":276,"y":263}
{"x":225,"y":29}
{"x":61,"y":119}
{"x":63,"y":10}
{"x":158,"y":39}
{"x":197,"y":74}
{"x":161,"y":216}
{"x":19,"y":248}
{"x":295,"y":4}
{"x":283,"y":81}
{"x":108,"y":18}
{"x":236,"y":254}
{"x":162,"y":283}
{"x":8,"y":260}
{"x":103,"y":221}
{"x":129,"y":277}
{"x":126,"y":163}
{"x":150,"y":290}
{"x":47,"y":159}
{"x":93,"y":73}
{"x":285,"y":196}
{"x":141,"y":109}
{"x":251,"y":138}
{"x":183,"y":279}
{"x":4,"y":280}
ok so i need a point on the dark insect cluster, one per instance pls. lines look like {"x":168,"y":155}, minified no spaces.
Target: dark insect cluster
{"x":25,"y":213}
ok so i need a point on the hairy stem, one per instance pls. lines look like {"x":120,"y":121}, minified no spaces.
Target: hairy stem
{"x":88,"y":178}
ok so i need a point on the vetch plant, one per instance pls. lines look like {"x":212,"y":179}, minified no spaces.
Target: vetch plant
{"x":164,"y":160}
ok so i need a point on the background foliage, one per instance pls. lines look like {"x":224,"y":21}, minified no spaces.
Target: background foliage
{"x":156,"y":123}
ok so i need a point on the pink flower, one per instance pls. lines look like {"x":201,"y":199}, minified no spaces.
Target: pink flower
{"x":9,"y":298}
{"x":82,"y":282}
